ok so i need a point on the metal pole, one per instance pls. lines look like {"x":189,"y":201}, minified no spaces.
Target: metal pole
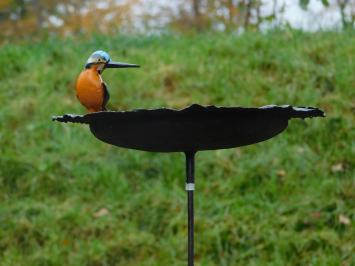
{"x":190,"y":187}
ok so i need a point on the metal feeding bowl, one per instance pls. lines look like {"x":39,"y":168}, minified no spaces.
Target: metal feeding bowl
{"x":190,"y":130}
{"x":194,"y":128}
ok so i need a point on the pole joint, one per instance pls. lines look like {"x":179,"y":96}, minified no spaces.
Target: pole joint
{"x":190,"y":187}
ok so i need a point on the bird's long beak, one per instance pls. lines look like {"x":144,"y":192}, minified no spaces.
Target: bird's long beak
{"x":112,"y":64}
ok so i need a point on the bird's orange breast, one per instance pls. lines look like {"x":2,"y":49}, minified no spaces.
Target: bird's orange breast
{"x":90,"y":90}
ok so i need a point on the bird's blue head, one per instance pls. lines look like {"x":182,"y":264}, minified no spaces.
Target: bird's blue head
{"x":98,"y":57}
{"x":102,"y":60}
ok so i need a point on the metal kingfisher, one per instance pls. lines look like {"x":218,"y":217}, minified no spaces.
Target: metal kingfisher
{"x":91,"y":90}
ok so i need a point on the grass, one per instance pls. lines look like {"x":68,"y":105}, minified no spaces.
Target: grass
{"x":68,"y":199}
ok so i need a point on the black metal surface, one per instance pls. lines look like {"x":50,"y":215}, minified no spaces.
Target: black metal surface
{"x":190,"y":179}
{"x":192,"y":129}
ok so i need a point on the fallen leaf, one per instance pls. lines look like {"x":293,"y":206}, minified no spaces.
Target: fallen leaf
{"x":316,"y":215}
{"x":281,"y":173}
{"x":344,"y":220}
{"x":237,"y":153}
{"x":101,"y":212}
{"x":339,"y":167}
{"x":300,"y":150}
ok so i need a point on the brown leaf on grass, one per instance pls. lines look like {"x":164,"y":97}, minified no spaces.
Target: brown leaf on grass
{"x":237,"y":153}
{"x":344,"y":220}
{"x":281,"y":173}
{"x":101,"y":212}
{"x":339,"y":167}
{"x":316,"y":215}
{"x":300,"y":150}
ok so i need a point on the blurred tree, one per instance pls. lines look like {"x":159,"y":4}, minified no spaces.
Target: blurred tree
{"x":196,"y":7}
{"x":31,"y":18}
{"x":221,"y":15}
{"x":347,"y":20}
{"x":37,"y":17}
{"x":346,"y":10}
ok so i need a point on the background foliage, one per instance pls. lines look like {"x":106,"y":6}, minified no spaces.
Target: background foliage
{"x":29,"y":19}
{"x":67,"y":199}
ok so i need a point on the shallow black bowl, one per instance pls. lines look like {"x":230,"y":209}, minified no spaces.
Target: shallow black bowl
{"x":194,"y":128}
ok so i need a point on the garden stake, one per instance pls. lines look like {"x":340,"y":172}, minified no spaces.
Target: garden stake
{"x":190,"y":187}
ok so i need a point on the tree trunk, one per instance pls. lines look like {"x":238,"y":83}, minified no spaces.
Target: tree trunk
{"x":248,"y":6}
{"x":196,"y":9}
{"x":342,"y":5}
{"x":230,"y":12}
{"x":258,"y":14}
{"x":38,"y":10}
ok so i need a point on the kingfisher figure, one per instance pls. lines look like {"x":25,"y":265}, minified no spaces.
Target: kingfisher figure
{"x":91,"y":90}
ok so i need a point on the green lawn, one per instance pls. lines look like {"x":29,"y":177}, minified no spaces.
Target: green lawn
{"x":68,"y":199}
